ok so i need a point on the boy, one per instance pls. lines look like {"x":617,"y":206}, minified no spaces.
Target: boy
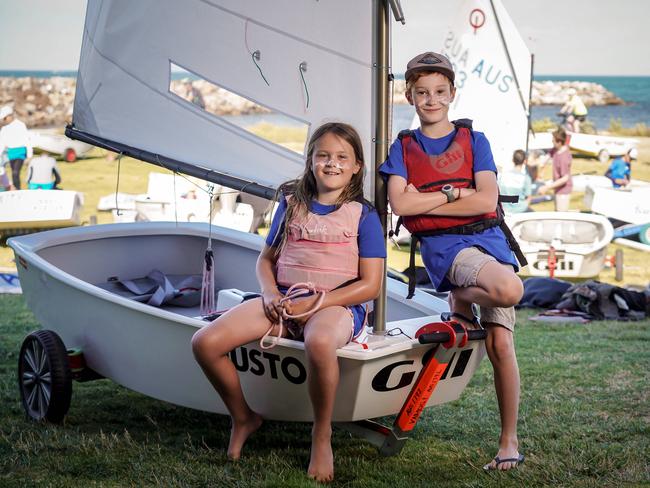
{"x":620,"y":169}
{"x":41,"y":171}
{"x":466,"y":252}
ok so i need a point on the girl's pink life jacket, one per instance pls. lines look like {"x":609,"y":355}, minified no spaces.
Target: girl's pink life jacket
{"x":321,"y":249}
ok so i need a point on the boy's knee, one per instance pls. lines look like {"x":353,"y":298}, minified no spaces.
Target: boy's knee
{"x":508,"y":292}
{"x":501,"y":348}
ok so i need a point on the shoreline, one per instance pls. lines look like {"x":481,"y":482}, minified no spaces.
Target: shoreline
{"x":47,"y":101}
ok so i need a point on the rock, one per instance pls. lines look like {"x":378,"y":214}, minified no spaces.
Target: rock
{"x":41,"y":102}
{"x":547,"y":93}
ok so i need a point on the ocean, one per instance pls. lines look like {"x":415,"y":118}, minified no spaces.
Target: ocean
{"x":635,"y":90}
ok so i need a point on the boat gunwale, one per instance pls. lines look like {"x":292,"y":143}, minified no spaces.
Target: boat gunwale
{"x":29,"y":246}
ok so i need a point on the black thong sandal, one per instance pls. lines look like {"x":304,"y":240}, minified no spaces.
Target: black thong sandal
{"x":518,"y":460}
{"x":448,"y":316}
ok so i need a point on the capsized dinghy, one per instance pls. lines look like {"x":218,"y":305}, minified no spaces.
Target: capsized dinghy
{"x":573,"y":244}
{"x":73,"y":279}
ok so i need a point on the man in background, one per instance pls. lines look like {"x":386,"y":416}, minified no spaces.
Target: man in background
{"x":575,"y":110}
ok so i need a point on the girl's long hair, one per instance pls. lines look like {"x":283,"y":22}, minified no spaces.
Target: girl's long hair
{"x":303,"y":189}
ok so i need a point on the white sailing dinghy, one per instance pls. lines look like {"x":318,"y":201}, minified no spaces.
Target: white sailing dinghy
{"x":563,"y":244}
{"x":25,"y":211}
{"x":286,"y":57}
{"x":592,"y":145}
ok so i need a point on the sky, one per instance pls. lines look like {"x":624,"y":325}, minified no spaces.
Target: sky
{"x":568,"y":37}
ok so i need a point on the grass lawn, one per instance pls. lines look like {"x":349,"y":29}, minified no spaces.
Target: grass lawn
{"x":585,"y":421}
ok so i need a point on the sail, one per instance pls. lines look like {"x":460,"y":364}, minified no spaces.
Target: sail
{"x":493,"y":75}
{"x":306,"y":61}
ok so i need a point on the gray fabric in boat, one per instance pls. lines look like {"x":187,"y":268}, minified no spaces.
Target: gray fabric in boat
{"x":158,"y":289}
{"x":568,"y":232}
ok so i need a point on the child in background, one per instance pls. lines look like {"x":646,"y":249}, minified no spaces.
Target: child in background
{"x":40,"y":172}
{"x":324,"y":233}
{"x":516,"y":181}
{"x":562,"y":183}
{"x":442,"y":181}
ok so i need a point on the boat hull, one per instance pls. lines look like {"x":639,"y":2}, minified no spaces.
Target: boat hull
{"x":147,"y":349}
{"x":25,"y":211}
{"x":579,"y":242}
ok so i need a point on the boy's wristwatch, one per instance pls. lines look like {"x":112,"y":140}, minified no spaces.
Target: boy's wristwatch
{"x":448,"y":190}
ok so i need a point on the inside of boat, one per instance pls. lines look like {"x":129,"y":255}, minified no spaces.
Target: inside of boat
{"x":565,"y":231}
{"x":123,"y":265}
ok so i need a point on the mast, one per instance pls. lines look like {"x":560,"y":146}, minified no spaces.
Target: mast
{"x":530,"y":97}
{"x":381,"y":65}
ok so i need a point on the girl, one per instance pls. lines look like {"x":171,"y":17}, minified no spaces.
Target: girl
{"x":323,"y":233}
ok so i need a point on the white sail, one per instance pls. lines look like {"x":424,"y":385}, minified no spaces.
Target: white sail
{"x":493,"y":70}
{"x":130,"y":48}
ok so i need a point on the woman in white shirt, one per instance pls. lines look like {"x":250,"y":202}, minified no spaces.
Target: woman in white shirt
{"x":15,"y":139}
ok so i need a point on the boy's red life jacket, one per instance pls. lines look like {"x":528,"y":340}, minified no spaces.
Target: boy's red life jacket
{"x":429,"y":173}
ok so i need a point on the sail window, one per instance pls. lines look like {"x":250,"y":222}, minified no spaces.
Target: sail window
{"x":246,"y":114}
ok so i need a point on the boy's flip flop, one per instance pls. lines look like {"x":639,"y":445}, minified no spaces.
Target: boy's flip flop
{"x":448,"y":316}
{"x":518,"y":460}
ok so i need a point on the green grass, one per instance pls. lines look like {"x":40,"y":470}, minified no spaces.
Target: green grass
{"x":584,"y":421}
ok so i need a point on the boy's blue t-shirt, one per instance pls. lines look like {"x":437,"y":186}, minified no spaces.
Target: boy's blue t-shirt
{"x":438,"y":252}
{"x":618,"y":170}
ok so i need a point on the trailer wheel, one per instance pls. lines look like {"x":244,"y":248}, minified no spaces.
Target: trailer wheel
{"x":70,"y":155}
{"x":44,"y":377}
{"x":603,"y":156}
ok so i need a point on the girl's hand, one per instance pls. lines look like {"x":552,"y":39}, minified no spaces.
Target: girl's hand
{"x":271,"y":303}
{"x":542,"y":190}
{"x":300,"y":305}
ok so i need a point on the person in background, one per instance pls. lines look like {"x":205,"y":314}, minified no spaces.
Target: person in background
{"x":619,"y":171}
{"x":562,"y":183}
{"x":15,"y":139}
{"x":41,"y":171}
{"x":575,"y":110}
{"x":5,"y":184}
{"x":516,"y":181}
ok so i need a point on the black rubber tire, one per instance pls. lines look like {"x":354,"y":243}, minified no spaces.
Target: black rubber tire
{"x":44,"y":377}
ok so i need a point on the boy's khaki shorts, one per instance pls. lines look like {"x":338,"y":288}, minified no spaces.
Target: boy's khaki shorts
{"x":464,"y":272}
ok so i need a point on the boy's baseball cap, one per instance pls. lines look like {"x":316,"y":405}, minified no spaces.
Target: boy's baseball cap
{"x":430,"y":61}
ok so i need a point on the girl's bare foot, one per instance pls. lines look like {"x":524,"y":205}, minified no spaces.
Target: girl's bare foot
{"x":321,"y":462}
{"x":241,"y":431}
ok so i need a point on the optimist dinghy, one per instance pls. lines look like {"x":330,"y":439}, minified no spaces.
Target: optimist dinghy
{"x":88,"y":286}
{"x":25,"y":211}
{"x":562,"y":244}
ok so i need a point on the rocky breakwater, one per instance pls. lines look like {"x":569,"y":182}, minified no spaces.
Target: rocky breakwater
{"x":39,"y":102}
{"x":48,"y":102}
{"x":548,"y":93}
